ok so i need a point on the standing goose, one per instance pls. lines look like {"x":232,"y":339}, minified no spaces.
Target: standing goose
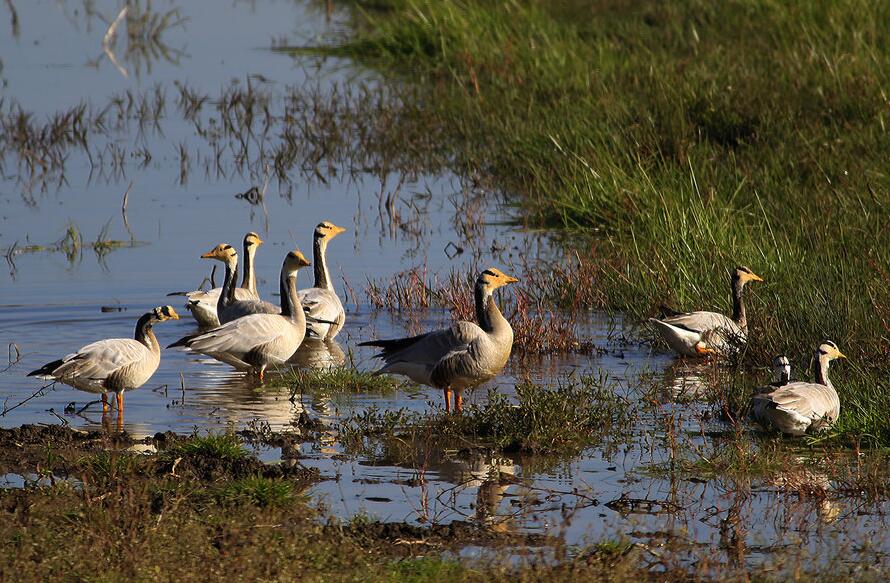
{"x":685,"y":333}
{"x":202,"y":304}
{"x":321,"y":301}
{"x":256,"y":341}
{"x":114,"y":365}
{"x":460,"y":357}
{"x":228,"y":306}
{"x":797,"y":407}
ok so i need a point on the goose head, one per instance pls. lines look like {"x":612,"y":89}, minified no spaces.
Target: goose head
{"x":829,"y":350}
{"x":251,"y":239}
{"x":164,"y":313}
{"x":327,"y":230}
{"x":492,"y":278}
{"x":743,"y":275}
{"x":222,"y":252}
{"x":781,"y":369}
{"x":294,"y":261}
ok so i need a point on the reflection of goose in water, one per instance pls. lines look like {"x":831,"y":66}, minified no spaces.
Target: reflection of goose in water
{"x":232,"y":397}
{"x":482,"y":471}
{"x":809,"y":483}
{"x":687,"y":379}
{"x":314,"y":353}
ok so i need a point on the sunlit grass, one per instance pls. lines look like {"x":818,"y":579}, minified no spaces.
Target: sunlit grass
{"x":676,"y":141}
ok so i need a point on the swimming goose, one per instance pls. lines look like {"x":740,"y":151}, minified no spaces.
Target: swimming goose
{"x":460,"y":357}
{"x":202,"y":304}
{"x":255,"y":341}
{"x":692,"y":333}
{"x":114,"y":365}
{"x":799,"y":407}
{"x":321,"y":301}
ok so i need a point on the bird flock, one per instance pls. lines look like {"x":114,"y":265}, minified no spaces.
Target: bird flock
{"x":240,"y":329}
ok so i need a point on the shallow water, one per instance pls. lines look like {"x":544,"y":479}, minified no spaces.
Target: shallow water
{"x":50,"y":303}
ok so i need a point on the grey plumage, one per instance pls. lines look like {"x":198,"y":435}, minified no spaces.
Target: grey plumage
{"x":461,"y":356}
{"x":700,"y":333}
{"x":256,"y":341}
{"x":113,"y":365}
{"x":796,"y":408}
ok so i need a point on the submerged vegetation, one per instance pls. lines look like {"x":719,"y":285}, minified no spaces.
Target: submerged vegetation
{"x":684,"y":138}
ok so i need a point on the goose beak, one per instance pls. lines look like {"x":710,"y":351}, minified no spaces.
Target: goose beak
{"x":259,"y":241}
{"x":510,"y":279}
{"x":755,"y":277}
{"x":208,"y":255}
{"x":840,"y":354}
{"x":337,"y":230}
{"x":173,"y":315}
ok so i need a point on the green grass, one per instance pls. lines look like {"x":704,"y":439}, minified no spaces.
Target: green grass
{"x":337,"y":380}
{"x":256,"y":490}
{"x":552,"y":421}
{"x":222,"y":446}
{"x":683,"y":138}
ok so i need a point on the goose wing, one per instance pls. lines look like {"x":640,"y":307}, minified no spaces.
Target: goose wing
{"x":325,"y":306}
{"x":810,"y":400}
{"x":90,"y":366}
{"x":431,"y":358}
{"x":240,"y":337}
{"x":701,"y":321}
{"x":242,"y":308}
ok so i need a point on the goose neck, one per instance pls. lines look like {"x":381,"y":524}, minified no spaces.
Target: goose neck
{"x":145,"y":335}
{"x":227,"y":297}
{"x":290,"y":303}
{"x":320,"y":264}
{"x":738,"y":304}
{"x":487,"y":312}
{"x":248,"y":280}
{"x":820,"y":370}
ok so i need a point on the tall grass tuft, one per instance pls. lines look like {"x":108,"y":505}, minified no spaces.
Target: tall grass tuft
{"x":675,"y":141}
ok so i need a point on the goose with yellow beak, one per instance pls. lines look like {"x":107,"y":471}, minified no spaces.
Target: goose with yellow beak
{"x":460,"y":357}
{"x":256,"y":341}
{"x":114,"y":365}
{"x":797,"y":408}
{"x":203,"y":304}
{"x":702,"y":333}
{"x":320,"y":302}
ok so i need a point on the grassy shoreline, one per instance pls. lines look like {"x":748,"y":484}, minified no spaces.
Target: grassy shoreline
{"x":677,"y":141}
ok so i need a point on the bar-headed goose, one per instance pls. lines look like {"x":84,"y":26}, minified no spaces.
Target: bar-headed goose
{"x":796,"y":408}
{"x":460,"y":357}
{"x":321,"y":301}
{"x":114,"y":365}
{"x":256,"y":341}
{"x":228,"y":306}
{"x":203,"y":304}
{"x":684,"y":332}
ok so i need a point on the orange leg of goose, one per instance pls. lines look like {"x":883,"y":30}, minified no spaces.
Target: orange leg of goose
{"x":105,"y":402}
{"x":447,"y":391}
{"x":120,"y":411}
{"x":458,"y":402}
{"x":262,"y":376}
